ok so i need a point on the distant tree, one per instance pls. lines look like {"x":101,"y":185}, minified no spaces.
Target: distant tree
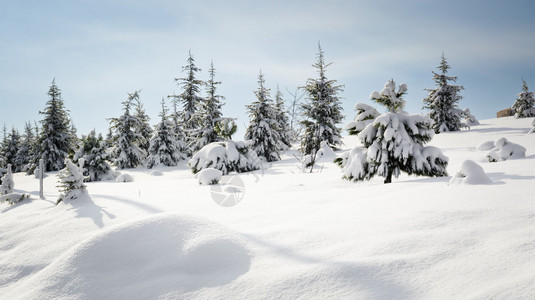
{"x":91,"y":150}
{"x":165,"y":149}
{"x":12,"y":147}
{"x":190,"y":98}
{"x":55,"y":137}
{"x":126,"y":151}
{"x":394,"y":142}
{"x":281,"y":115}
{"x":442,"y":101}
{"x":523,"y":106}
{"x":263,"y":130}
{"x":209,"y":114}
{"x":294,"y":114}
{"x":322,"y":112}
{"x":176,"y":122}
{"x":3,"y":147}
{"x":71,"y":182}
{"x":143,"y":127}
{"x":25,"y":152}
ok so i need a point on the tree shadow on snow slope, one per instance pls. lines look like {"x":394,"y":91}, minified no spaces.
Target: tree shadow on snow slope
{"x":374,"y":278}
{"x":143,"y":206}
{"x":502,"y":175}
{"x":85,"y":207}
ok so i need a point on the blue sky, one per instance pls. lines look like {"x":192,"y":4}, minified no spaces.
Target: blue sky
{"x":98,"y":51}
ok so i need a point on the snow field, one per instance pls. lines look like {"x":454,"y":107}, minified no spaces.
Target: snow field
{"x":294,"y":235}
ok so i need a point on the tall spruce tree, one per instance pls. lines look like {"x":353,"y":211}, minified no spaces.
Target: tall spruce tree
{"x":126,"y":151}
{"x":92,"y":151}
{"x":165,"y":149}
{"x":3,"y":147}
{"x":263,"y":129}
{"x":55,"y":137}
{"x":523,"y":106}
{"x":209,"y":113}
{"x":322,"y":111}
{"x":283,"y":121}
{"x":442,"y":101}
{"x":190,"y":98}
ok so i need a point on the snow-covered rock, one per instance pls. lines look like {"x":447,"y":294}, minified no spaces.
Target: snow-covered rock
{"x":470,"y":173}
{"x":209,"y":176}
{"x":156,"y":173}
{"x":124,"y":178}
{"x":504,"y":150}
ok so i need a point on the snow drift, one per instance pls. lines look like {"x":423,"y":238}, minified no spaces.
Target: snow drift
{"x":143,"y":259}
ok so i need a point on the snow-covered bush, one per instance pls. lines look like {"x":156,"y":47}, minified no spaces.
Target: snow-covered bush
{"x":13,"y":198}
{"x":469,"y":119}
{"x":470,"y":173}
{"x":124,"y":178}
{"x":229,"y":156}
{"x":486,"y":146}
{"x":365,"y":115}
{"x":71,"y":182}
{"x":394,"y":143}
{"x":504,"y":150}
{"x":8,"y":185}
{"x":209,"y":176}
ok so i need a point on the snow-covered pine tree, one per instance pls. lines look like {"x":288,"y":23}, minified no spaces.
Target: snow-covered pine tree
{"x":126,"y":152}
{"x":3,"y":147}
{"x":165,"y":149}
{"x":442,"y":101}
{"x":322,"y":112}
{"x":523,"y":106}
{"x":8,"y":185}
{"x":25,"y":152}
{"x":394,"y":143}
{"x":469,"y":118}
{"x":175,"y":122}
{"x":365,"y":116}
{"x":263,"y":130}
{"x":143,"y":127}
{"x":12,"y":147}
{"x":209,"y":114}
{"x":92,"y":150}
{"x":283,"y":121}
{"x":190,"y":98}
{"x":71,"y":182}
{"x":55,"y":136}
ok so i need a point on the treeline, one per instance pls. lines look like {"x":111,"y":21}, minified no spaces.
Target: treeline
{"x":194,"y":120}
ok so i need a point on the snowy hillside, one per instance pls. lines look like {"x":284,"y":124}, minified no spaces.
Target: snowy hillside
{"x":292,"y":235}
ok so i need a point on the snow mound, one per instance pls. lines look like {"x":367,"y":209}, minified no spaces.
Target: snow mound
{"x":485,"y":146}
{"x":470,"y":173}
{"x":504,"y":150}
{"x":156,"y":173}
{"x":124,"y":178}
{"x":144,"y":259}
{"x":209,"y":176}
